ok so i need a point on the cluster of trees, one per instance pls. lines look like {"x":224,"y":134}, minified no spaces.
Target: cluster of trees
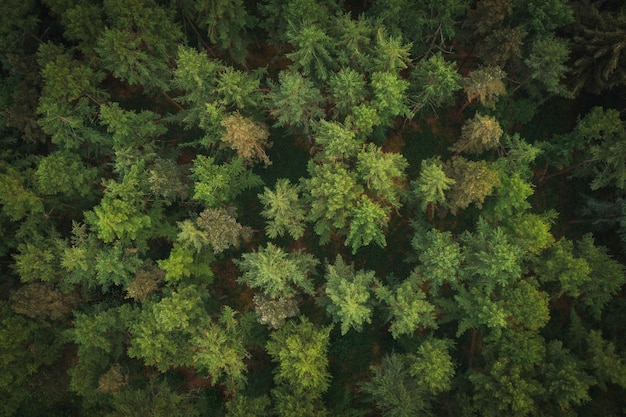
{"x":312,"y":208}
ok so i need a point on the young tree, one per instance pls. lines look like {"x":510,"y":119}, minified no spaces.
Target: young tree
{"x":432,"y":184}
{"x":301,"y":349}
{"x":347,"y":295}
{"x":433,"y":367}
{"x":295,"y":101}
{"x":382,"y":173}
{"x":408,"y":306}
{"x":366,"y":224}
{"x":216,"y":185}
{"x":440,"y":259}
{"x":219,"y":351}
{"x":283,"y":209}
{"x":338,"y":141}
{"x":245,"y":406}
{"x":311,"y":53}
{"x":332,"y":192}
{"x":434,"y":83}
{"x":393,"y":390}
{"x":226,"y":23}
{"x":161,"y":334}
{"x":347,"y":89}
{"x":277,"y":273}
{"x":138,"y":42}
{"x":389,"y":97}
{"x":122,"y":214}
{"x":546,"y":62}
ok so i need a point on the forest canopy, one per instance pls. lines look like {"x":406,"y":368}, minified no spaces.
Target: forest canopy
{"x":297,"y":208}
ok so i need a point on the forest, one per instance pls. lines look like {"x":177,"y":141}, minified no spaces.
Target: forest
{"x":294,"y":208}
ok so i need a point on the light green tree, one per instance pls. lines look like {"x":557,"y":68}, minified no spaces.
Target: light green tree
{"x":284,"y":210}
{"x":300,"y":349}
{"x":347,"y":295}
{"x":277,"y":273}
{"x":432,"y":184}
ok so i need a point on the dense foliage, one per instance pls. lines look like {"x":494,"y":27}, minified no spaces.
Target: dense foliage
{"x":312,"y":208}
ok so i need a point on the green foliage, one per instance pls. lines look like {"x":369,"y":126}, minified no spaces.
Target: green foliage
{"x":505,"y":388}
{"x":333,"y":191}
{"x":531,"y":232}
{"x":606,"y":275}
{"x":433,"y":367}
{"x":409,"y":309}
{"x":389,"y":97}
{"x":606,"y":364}
{"x":99,"y":337}
{"x":121,"y":213}
{"x":216,"y":185}
{"x":390,"y":54}
{"x":428,"y":25}
{"x":512,"y":196}
{"x":220,"y":228}
{"x":599,"y":138}
{"x":184,"y":263}
{"x":348,"y":293}
{"x":366,"y":222}
{"x":279,"y":15}
{"x":37,"y":261}
{"x":17,"y":198}
{"x":526,"y":306}
{"x":311,"y":51}
{"x":546,"y":16}
{"x":598,"y":55}
{"x":219,"y":351}
{"x":489,"y":14}
{"x":226,"y":23}
{"x":301,"y":349}
{"x":491,"y":260}
{"x":393,"y":390}
{"x":160,"y":335}
{"x":244,"y":406}
{"x":382,"y":173}
{"x":563,"y":266}
{"x":338,"y":142}
{"x":347,"y":90}
{"x":477,"y":310}
{"x":434,"y":83}
{"x":295,"y":100}
{"x":501,"y":46}
{"x":277,"y":273}
{"x":546,"y":61}
{"x":567,"y":382}
{"x":283,"y":209}
{"x":440,"y":258}
{"x":64,"y":173}
{"x":138,"y":42}
{"x":24,"y":348}
{"x":432,"y":183}
{"x":156,"y":399}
